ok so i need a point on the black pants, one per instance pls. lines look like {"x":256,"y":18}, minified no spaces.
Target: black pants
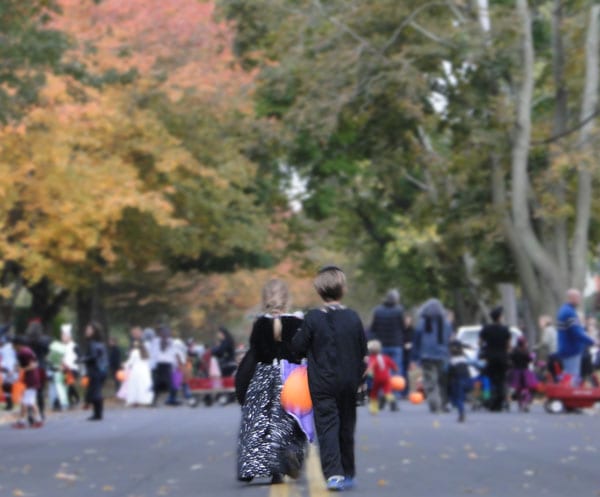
{"x":335,"y":422}
{"x":496,"y":372}
{"x":7,"y":389}
{"x":93,"y":394}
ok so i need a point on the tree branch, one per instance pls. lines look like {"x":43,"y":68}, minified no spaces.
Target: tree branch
{"x":430,"y":35}
{"x":568,"y":132}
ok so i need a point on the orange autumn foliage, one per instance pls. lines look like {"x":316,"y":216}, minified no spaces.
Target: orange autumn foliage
{"x":176,"y":45}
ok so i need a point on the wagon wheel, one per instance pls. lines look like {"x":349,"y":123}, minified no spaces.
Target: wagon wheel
{"x":554,"y":406}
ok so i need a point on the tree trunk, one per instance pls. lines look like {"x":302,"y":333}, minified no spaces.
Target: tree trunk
{"x":584,"y":184}
{"x":561,"y":118}
{"x":521,"y":214}
{"x":90,"y":307}
{"x":46,"y":303}
{"x":509,"y":303}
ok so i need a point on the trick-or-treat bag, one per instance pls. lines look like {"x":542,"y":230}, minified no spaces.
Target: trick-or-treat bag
{"x":304,"y":418}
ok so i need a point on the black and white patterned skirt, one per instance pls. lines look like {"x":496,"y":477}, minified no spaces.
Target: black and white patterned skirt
{"x":267,"y":432}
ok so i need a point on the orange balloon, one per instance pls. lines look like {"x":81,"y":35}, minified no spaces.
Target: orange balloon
{"x":121,"y":375}
{"x":18,"y":389}
{"x":85,"y":381}
{"x":398,"y":383}
{"x":295,"y":394}
{"x":416,"y":397}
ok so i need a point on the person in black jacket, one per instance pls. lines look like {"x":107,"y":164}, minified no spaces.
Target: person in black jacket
{"x":388,"y":327}
{"x":333,"y":340}
{"x":96,"y":365}
{"x":115,"y":361}
{"x":494,"y":345}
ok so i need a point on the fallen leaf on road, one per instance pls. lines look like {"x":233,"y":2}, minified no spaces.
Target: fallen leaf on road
{"x":529,"y":472}
{"x":18,"y":492}
{"x":108,"y":488}
{"x":65,"y":476}
{"x":382,"y":483}
{"x":196,"y":467}
{"x":436,"y":424}
{"x":472,"y":455}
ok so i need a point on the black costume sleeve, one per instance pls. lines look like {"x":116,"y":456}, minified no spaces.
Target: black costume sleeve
{"x":302,"y":340}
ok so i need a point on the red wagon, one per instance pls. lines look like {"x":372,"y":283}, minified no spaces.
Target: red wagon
{"x":210,"y":390}
{"x":561,"y":397}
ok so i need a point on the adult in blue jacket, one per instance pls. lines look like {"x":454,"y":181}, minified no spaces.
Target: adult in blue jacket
{"x":572,"y":338}
{"x":431,"y":340}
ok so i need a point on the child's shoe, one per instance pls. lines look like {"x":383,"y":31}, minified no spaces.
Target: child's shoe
{"x":392,"y":400}
{"x":461,"y":417}
{"x":19,"y":425}
{"x":37,"y":424}
{"x":373,"y":406}
{"x":382,"y":402}
{"x":349,"y":483}
{"x":336,"y":483}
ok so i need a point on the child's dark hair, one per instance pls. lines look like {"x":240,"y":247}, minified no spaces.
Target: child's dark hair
{"x":98,"y":331}
{"x":330,"y":283}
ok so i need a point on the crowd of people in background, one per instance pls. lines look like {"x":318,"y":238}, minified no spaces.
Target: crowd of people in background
{"x":503,"y":368}
{"x":156,"y":364}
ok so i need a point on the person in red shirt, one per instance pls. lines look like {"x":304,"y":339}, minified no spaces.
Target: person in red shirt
{"x":29,"y":365}
{"x":379,"y":369}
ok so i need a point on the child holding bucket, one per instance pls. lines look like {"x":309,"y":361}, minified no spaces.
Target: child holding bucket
{"x":333,"y":340}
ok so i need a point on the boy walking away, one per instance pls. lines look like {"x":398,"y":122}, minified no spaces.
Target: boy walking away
{"x":28,"y":363}
{"x":333,"y":340}
{"x":379,"y":370}
{"x":459,"y":378}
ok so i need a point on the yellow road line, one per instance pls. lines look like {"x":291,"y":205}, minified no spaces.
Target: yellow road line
{"x":314,"y":478}
{"x":316,"y":484}
{"x":282,"y":490}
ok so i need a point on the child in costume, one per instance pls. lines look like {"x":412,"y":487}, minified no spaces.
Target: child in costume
{"x":379,"y":369}
{"x":459,"y":378}
{"x":333,"y":339}
{"x":28,"y":363}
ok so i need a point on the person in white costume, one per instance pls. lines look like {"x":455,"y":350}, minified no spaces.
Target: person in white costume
{"x":137,"y":389}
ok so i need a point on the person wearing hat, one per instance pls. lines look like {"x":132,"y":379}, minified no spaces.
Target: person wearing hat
{"x":494,"y":340}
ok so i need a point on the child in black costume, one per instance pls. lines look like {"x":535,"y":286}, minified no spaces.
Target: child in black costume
{"x":333,"y":340}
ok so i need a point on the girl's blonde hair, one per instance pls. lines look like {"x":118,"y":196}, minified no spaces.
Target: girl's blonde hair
{"x":276,"y":300}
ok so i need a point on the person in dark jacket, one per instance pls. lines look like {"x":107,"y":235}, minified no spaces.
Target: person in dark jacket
{"x":96,"y":365}
{"x":115,"y":360}
{"x":388,"y":327}
{"x":432,"y":337}
{"x":333,"y":340}
{"x":494,"y":342}
{"x":224,"y":351}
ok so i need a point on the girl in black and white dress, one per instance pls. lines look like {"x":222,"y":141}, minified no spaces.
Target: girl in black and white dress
{"x":271,"y":443}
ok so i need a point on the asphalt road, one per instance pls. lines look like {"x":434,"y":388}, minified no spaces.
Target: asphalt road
{"x":188,"y":452}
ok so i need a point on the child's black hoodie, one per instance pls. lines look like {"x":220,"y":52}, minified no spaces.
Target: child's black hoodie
{"x":333,"y":340}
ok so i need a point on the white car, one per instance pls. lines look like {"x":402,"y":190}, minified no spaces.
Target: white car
{"x":469,"y":337}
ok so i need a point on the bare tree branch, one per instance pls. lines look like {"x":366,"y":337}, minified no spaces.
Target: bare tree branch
{"x":559,"y":136}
